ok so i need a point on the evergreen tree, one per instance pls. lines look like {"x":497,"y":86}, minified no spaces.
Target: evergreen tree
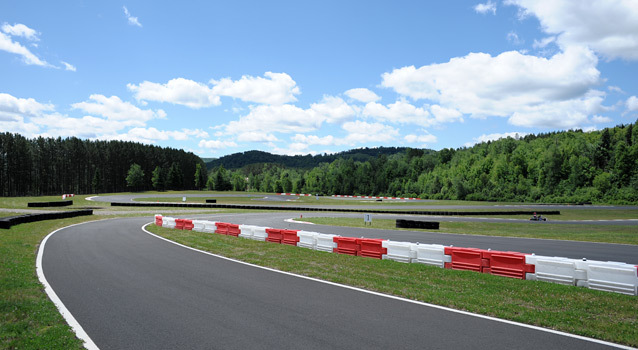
{"x":96,"y":183}
{"x":175,"y":178}
{"x":158,"y":179}
{"x":200,"y":177}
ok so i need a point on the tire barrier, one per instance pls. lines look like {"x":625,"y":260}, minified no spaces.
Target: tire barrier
{"x":600,"y":275}
{"x":292,"y":208}
{"x":427,"y":225}
{"x":49,"y":204}
{"x":211,"y":201}
{"x":7,"y":222}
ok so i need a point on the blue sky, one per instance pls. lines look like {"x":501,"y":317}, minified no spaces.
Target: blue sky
{"x":293,"y":77}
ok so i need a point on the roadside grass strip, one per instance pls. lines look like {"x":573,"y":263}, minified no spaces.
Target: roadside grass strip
{"x":601,"y":315}
{"x":544,"y":230}
{"x":28,"y":319}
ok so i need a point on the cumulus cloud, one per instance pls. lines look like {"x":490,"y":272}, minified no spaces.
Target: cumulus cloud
{"x":314,"y":140}
{"x":12,"y":108}
{"x":513,"y":38}
{"x":607,"y":27}
{"x":333,"y":109}
{"x":481,"y":85}
{"x":360,"y":132}
{"x":362,"y":95}
{"x":114,"y":109}
{"x":486,"y":8}
{"x":632,"y":103}
{"x":255,"y":136}
{"x":131,"y":20}
{"x":401,"y":112}
{"x":273,"y":88}
{"x":598,"y":119}
{"x":177,"y":91}
{"x":278,"y":118}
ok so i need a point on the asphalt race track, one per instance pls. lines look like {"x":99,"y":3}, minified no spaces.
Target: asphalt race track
{"x":131,"y":290}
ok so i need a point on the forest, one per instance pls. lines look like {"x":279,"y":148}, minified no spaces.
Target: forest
{"x":557,"y":167}
{"x":55,"y":166}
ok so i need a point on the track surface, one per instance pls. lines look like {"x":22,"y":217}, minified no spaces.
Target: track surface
{"x":130,"y":290}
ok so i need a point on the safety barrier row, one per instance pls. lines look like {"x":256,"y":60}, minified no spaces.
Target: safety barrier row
{"x":601,"y":275}
{"x":372,"y":197}
{"x":65,"y":196}
{"x":7,"y":222}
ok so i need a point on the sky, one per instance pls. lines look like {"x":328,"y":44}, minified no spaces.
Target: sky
{"x":311,"y":77}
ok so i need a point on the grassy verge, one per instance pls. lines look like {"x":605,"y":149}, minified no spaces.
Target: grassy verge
{"x":28,"y":319}
{"x":602,"y":315}
{"x":545,"y":230}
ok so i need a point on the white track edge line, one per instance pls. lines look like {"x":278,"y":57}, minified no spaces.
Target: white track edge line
{"x":68,"y":317}
{"x":592,"y":340}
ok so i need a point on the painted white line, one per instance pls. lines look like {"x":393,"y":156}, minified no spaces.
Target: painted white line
{"x":299,"y":222}
{"x":396,"y":297}
{"x":68,"y":317}
{"x":90,"y":198}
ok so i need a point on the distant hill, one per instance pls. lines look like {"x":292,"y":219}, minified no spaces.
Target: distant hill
{"x":206,"y":160}
{"x":243,"y":159}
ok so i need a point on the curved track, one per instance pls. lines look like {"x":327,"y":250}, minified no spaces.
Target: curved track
{"x":131,"y":290}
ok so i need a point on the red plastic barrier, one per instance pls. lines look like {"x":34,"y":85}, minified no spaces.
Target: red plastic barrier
{"x":346,"y":245}
{"x":371,"y":247}
{"x":188,"y":224}
{"x":179,"y":224}
{"x":158,"y":220}
{"x":232,"y":230}
{"x":274,"y":235}
{"x":507,"y":264}
{"x":222,"y":228}
{"x":289,"y":237}
{"x":466,"y":259}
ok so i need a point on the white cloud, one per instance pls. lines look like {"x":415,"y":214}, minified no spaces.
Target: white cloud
{"x":20,"y":126}
{"x":360,"y":132}
{"x":255,"y":136}
{"x":314,"y":140}
{"x":178,"y":91}
{"x":632,"y":103}
{"x":559,"y":114}
{"x":597,"y":119}
{"x":496,"y":136}
{"x":69,"y":67}
{"x":13,"y":108}
{"x":278,"y":118}
{"x":114,"y":109}
{"x":423,"y":138}
{"x":21,"y":30}
{"x":333,"y":109}
{"x":152,"y":134}
{"x":275,"y":88}
{"x":401,"y":112}
{"x":86,"y":127}
{"x":362,"y":95}
{"x":8,"y":45}
{"x":506,"y":85}
{"x":609,"y":27}
{"x":131,"y":20}
{"x":612,"y":88}
{"x":485,"y":8}
{"x":445,"y":115}
{"x":216,"y":144}
{"x":294,"y":149}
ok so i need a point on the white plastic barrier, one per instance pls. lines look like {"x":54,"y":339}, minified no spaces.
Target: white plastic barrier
{"x":431,"y":254}
{"x":556,"y":269}
{"x":199,"y":225}
{"x":399,"y":251}
{"x":259,"y":233}
{"x":307,"y":239}
{"x":610,"y":276}
{"x":246,"y":231}
{"x":209,"y":226}
{"x":168,"y":222}
{"x":325,"y":242}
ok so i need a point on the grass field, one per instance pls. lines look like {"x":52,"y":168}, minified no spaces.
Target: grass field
{"x":602,"y":315}
{"x":545,"y":230}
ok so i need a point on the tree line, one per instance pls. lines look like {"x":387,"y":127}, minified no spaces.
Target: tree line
{"x":557,"y":167}
{"x":53,"y":166}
